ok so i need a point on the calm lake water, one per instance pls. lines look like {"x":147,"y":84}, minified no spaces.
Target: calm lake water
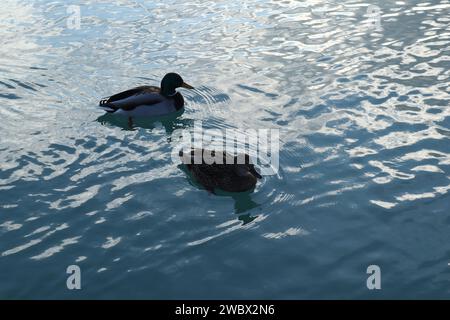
{"x":359,"y":92}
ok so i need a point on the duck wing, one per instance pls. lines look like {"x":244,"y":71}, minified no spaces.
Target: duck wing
{"x":130,"y":99}
{"x":233,"y":177}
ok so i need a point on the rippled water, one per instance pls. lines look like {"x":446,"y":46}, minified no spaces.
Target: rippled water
{"x":362,"y":109}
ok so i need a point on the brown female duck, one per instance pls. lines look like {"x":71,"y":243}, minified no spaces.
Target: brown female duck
{"x":237,"y":175}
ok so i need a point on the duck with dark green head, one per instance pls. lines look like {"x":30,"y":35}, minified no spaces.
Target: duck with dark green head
{"x":148,"y":101}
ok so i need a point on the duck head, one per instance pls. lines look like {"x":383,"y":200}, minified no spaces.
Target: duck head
{"x":170,"y":82}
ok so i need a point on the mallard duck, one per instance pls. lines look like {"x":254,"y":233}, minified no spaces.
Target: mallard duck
{"x":148,"y":101}
{"x":230,"y":177}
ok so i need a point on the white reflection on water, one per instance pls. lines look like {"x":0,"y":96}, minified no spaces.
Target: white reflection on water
{"x":364,"y":160}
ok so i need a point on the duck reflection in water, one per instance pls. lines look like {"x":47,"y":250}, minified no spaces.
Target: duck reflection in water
{"x":169,"y":122}
{"x":242,"y":204}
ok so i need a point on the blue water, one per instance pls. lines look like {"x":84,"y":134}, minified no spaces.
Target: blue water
{"x":361,"y":98}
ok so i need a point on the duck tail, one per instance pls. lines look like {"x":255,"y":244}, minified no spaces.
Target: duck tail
{"x":107,"y":106}
{"x":254,"y":172}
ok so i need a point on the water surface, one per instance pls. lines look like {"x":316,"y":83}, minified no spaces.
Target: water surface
{"x":362,"y":110}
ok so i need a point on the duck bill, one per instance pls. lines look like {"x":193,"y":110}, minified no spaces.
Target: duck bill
{"x":187,"y":86}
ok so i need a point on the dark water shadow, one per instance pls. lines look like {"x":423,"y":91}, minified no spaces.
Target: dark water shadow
{"x":243,"y":203}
